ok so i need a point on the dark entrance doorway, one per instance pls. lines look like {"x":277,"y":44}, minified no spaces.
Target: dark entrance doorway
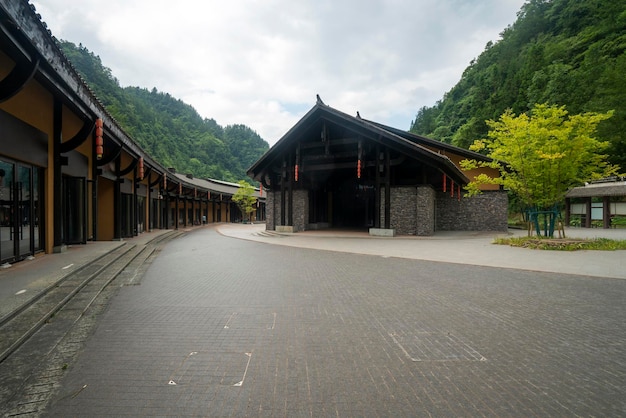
{"x":75,"y":210}
{"x":342,"y":201}
{"x":353,"y":204}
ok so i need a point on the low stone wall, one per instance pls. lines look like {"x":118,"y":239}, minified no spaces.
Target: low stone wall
{"x":485,"y":212}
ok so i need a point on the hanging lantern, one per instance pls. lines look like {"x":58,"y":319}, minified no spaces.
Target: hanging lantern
{"x":180,"y":188}
{"x":296,"y":173}
{"x":261,"y":189}
{"x":445,"y":180}
{"x":99,"y":140}
{"x":141,"y":171}
{"x":195,"y":193}
{"x":358,"y":169}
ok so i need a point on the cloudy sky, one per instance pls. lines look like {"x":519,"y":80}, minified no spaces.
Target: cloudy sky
{"x":261,"y":62}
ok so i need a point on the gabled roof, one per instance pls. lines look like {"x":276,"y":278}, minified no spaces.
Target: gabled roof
{"x":422,"y":140}
{"x":616,"y":188}
{"x":395,"y":139}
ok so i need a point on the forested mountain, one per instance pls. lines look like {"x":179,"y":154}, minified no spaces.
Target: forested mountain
{"x":170,"y":131}
{"x":565,"y":52}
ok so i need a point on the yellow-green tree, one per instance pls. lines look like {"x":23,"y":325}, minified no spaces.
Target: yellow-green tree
{"x":244,"y":198}
{"x":541,"y":155}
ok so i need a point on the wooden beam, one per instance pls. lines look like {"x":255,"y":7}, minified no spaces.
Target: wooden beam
{"x":331,"y":142}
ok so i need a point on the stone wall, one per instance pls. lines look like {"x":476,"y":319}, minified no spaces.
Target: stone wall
{"x":402,"y":213}
{"x":425,"y":214}
{"x":300,"y":210}
{"x":413,"y":210}
{"x":272,"y":210}
{"x":485,"y":212}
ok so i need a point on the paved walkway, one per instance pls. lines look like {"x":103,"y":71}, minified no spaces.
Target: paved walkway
{"x":473,"y":248}
{"x":229,"y":327}
{"x":20,"y":281}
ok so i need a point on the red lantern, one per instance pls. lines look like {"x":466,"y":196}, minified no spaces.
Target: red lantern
{"x":296,"y":173}
{"x":99,"y":140}
{"x":261,"y":190}
{"x":141,"y":171}
{"x":358,"y":169}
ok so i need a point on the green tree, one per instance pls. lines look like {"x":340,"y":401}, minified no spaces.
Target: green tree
{"x":244,"y":198}
{"x":539,"y":157}
{"x":561,"y":52}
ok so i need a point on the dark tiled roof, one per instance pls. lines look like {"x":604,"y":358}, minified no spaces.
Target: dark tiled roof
{"x":598,"y":190}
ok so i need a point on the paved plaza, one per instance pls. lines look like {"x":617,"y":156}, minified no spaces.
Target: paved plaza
{"x":221,"y":326}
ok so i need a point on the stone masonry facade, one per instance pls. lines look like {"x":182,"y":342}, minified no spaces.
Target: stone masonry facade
{"x":300,"y":210}
{"x":415,"y":211}
{"x":422,"y":211}
{"x":485,"y":212}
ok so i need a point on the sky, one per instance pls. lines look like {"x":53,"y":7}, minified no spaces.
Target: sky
{"x":261,"y":62}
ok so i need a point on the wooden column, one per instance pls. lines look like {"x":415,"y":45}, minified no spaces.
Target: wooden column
{"x":387,"y":190}
{"x":283,"y":179}
{"x":290,"y":207}
{"x":377,"y":191}
{"x":117,"y":202}
{"x":606,"y":212}
{"x":135,"y":213}
{"x":57,"y":191}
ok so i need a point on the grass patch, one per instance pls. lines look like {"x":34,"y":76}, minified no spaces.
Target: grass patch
{"x":563,"y":244}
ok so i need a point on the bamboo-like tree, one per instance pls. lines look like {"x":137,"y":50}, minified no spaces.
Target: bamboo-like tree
{"x":244,"y":199}
{"x":541,"y":155}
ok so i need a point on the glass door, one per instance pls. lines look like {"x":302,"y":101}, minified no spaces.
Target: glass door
{"x":7,"y":212}
{"x":24,"y":227}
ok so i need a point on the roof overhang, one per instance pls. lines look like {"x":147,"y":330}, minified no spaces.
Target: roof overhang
{"x":396,"y":140}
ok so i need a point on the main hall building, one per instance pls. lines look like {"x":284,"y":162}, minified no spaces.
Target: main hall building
{"x":333,"y":170}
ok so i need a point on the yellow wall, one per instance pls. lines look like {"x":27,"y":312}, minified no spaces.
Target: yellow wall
{"x":105,"y":209}
{"x":456,"y":159}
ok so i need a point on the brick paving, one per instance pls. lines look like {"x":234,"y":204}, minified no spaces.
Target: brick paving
{"x":227,"y":327}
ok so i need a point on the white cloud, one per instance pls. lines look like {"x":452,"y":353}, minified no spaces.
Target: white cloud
{"x":261,"y":62}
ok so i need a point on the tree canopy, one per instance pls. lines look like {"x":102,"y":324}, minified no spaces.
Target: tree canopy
{"x":541,"y":155}
{"x":561,"y":52}
{"x":168,"y":129}
{"x":244,"y":198}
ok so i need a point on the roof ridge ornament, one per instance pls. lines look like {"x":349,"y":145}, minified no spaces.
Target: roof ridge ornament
{"x":319,"y":99}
